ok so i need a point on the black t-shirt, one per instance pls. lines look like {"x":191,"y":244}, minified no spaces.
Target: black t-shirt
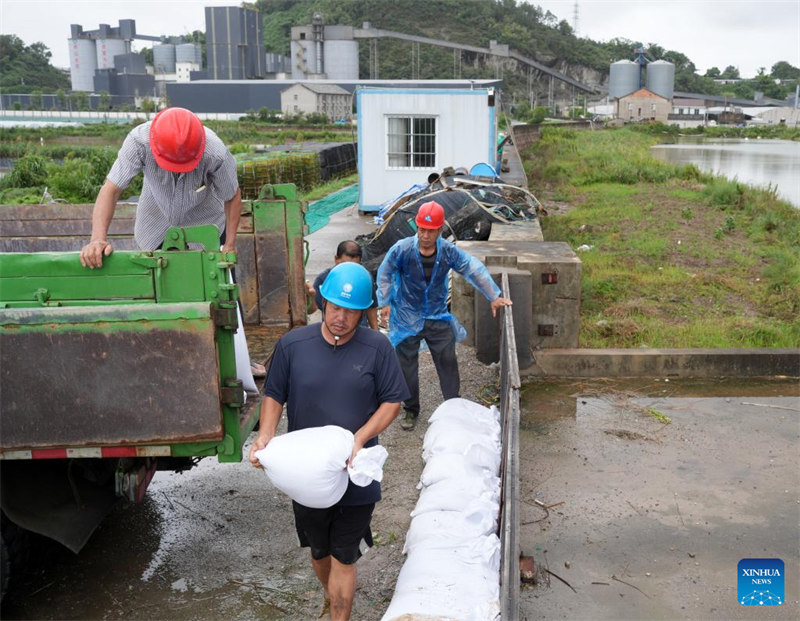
{"x":427,"y":265}
{"x":343,"y":385}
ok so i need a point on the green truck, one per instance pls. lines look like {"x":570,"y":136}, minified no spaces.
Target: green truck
{"x":108,"y":375}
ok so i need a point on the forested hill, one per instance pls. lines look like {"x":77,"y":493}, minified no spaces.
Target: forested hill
{"x":27,"y":68}
{"x":524,"y":27}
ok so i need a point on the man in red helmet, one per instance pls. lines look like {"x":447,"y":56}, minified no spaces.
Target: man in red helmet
{"x":413,"y":279}
{"x":189,"y":179}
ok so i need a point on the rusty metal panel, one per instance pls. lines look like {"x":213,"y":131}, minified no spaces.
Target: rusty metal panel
{"x":61,"y":211}
{"x":273,"y":277}
{"x":272,"y":258}
{"x":59,"y":228}
{"x":148,"y":372}
{"x":58,"y":244}
{"x":247,"y":277}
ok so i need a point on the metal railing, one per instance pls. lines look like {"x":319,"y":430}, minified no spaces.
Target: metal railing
{"x":509,"y":507}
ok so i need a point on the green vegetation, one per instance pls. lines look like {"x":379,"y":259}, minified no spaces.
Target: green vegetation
{"x":27,"y":68}
{"x":321,"y":191}
{"x":535,"y":33}
{"x":677,"y":258}
{"x":666,"y":132}
{"x":70,"y":163}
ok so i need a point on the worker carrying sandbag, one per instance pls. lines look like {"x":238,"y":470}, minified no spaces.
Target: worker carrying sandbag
{"x":335,"y":373}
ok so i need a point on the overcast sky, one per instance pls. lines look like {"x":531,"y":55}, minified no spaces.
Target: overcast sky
{"x":745,"y":33}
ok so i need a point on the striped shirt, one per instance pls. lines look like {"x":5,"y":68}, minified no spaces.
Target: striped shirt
{"x":175,"y":199}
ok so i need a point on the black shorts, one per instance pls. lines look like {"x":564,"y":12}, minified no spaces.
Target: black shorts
{"x":337,"y":531}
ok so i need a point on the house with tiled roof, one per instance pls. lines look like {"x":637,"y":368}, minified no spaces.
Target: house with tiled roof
{"x":643,"y":105}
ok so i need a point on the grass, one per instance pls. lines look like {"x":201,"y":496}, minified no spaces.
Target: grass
{"x":678,"y":258}
{"x":321,"y":191}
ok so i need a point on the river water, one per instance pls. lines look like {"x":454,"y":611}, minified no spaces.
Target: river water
{"x":752,"y":161}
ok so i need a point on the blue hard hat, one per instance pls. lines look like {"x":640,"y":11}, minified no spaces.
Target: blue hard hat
{"x":348,"y":285}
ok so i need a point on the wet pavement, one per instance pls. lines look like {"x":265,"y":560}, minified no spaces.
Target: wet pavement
{"x":640,"y":498}
{"x":654,"y":491}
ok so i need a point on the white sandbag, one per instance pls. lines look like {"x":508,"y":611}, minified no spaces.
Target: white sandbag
{"x":442,"y":437}
{"x":437,"y":529}
{"x":309,"y":465}
{"x":468,"y":413}
{"x":367,"y":465}
{"x":450,"y":583}
{"x":453,"y":428}
{"x":460,"y":494}
{"x":243,"y":371}
{"x":450,"y":465}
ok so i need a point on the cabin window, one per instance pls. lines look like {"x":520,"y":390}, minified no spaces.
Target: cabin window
{"x":411,"y":142}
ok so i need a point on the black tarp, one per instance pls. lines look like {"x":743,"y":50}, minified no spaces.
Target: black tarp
{"x":471,"y":205}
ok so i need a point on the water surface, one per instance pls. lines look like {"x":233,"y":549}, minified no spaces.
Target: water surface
{"x":761,"y":163}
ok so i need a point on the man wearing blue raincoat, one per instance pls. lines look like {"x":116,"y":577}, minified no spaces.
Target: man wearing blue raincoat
{"x":413,"y":279}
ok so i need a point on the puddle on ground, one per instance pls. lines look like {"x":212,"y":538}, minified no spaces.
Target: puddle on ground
{"x":544,"y":401}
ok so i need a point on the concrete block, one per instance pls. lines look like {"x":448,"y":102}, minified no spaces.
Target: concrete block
{"x":555,"y":287}
{"x":527,"y":230}
{"x":488,"y":328}
{"x":699,"y":363}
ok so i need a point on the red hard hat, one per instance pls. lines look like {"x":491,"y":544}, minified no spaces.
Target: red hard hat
{"x":177,"y":140}
{"x":430,"y":216}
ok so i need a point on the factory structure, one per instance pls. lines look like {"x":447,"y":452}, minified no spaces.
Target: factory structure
{"x":102,"y":60}
{"x":642,"y":90}
{"x":234,"y":75}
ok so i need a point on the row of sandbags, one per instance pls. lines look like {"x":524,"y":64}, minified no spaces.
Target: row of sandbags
{"x":452,"y":567}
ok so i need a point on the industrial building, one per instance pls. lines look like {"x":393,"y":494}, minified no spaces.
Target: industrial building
{"x":101,"y":60}
{"x":241,"y":96}
{"x":175,"y":61}
{"x":234,"y":44}
{"x":320,"y":51}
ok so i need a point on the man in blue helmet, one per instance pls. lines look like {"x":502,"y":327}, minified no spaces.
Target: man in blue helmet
{"x":347,"y":250}
{"x":413,"y":279}
{"x":335,"y":373}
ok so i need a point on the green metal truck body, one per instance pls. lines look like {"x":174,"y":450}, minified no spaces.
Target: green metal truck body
{"x":108,"y":375}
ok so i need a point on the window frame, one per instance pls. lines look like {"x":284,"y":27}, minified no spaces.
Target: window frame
{"x":426,"y":159}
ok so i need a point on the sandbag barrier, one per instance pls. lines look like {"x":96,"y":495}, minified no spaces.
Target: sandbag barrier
{"x":462,"y":547}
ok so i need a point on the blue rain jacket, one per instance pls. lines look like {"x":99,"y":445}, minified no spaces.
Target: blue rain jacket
{"x":401,"y":283}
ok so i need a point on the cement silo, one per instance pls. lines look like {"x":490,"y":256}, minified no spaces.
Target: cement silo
{"x":340,"y":53}
{"x":164,"y":58}
{"x":303,"y":59}
{"x":661,"y":78}
{"x":623,"y":78}
{"x":186,"y":53}
{"x":108,"y":48}
{"x":82,"y":64}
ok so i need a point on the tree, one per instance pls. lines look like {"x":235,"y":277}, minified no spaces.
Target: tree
{"x":79,"y":100}
{"x":730,"y":73}
{"x":105,"y":100}
{"x":36,"y":99}
{"x":61,"y":97}
{"x":26,"y":68}
{"x":782,"y":70}
{"x":148,"y":105}
{"x":713,"y":72}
